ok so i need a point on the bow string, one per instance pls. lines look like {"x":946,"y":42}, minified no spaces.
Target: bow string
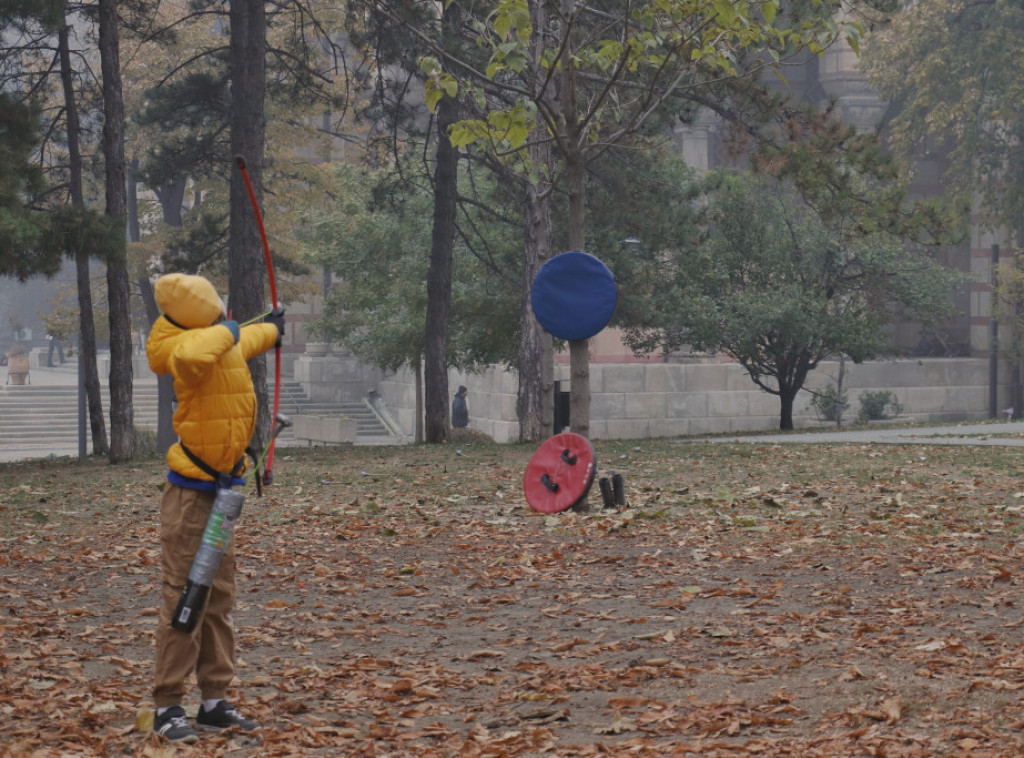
{"x":268,"y":475}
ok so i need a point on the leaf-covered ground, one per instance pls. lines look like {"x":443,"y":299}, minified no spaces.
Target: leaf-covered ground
{"x":752,"y":600}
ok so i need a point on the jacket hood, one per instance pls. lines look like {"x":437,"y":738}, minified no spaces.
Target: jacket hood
{"x":191,"y":301}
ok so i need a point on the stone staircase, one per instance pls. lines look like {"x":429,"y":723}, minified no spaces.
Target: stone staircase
{"x":47,"y":415}
{"x":369,"y":427}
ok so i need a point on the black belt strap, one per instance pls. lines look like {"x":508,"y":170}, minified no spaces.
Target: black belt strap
{"x":208,"y":469}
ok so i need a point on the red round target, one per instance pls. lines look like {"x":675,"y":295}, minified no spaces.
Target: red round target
{"x":560,"y":473}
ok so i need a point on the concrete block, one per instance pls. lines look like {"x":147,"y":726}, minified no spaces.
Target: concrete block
{"x":738,"y":380}
{"x":706,"y":377}
{"x":670,"y":427}
{"x":754,"y":424}
{"x":622,"y":377}
{"x":504,"y":431}
{"x":701,"y":426}
{"x":645,"y":405}
{"x":761,"y":403}
{"x":498,"y":407}
{"x":661,"y":377}
{"x":686,"y":405}
{"x":624,"y":429}
{"x":728,"y":404}
{"x":966,"y":400}
{"x":607,"y":405}
{"x":331,"y":430}
{"x":920,"y":398}
{"x":509,"y":382}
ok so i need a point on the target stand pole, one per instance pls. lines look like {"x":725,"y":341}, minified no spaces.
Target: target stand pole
{"x":579,"y":398}
{"x":573,"y":297}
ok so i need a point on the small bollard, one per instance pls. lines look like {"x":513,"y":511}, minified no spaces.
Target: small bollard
{"x":618,"y":485}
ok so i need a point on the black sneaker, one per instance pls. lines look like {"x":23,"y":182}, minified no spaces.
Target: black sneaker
{"x":224,"y":716}
{"x":172,"y":725}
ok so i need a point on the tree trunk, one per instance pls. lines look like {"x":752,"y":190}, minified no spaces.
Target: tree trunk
{"x":418,"y":434}
{"x":840,"y":380}
{"x":439,"y":275}
{"x":247,"y":269}
{"x":579,"y":350}
{"x":786,"y":409}
{"x":88,"y":372}
{"x":575,"y":170}
{"x":171,"y":197}
{"x":536,"y":407}
{"x":791,"y":379}
{"x":536,"y":358}
{"x":132,"y":179}
{"x":165,"y":434}
{"x":122,"y":437}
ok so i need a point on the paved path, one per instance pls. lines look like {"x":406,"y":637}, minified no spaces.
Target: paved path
{"x":1007,"y":433}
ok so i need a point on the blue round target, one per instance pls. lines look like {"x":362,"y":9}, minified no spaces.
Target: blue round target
{"x":574,"y":296}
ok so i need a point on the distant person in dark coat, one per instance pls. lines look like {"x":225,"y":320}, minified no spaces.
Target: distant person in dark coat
{"x":55,"y":344}
{"x":460,"y":411}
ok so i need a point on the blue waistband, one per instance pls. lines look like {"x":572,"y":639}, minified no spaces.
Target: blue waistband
{"x":199,"y":484}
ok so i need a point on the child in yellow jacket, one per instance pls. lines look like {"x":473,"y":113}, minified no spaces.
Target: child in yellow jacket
{"x":215,"y":420}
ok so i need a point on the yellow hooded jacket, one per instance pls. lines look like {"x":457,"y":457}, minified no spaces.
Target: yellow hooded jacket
{"x":216,"y":412}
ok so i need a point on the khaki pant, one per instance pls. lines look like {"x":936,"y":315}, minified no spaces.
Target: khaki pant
{"x":209,"y":650}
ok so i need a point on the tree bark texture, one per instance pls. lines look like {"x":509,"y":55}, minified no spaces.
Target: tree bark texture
{"x":122,"y":416}
{"x":247,"y":268}
{"x":418,"y":434}
{"x":575,"y":170}
{"x":439,"y":277}
{"x":88,"y":372}
{"x":132,"y":198}
{"x":579,"y":350}
{"x":535,"y":361}
{"x":790,"y":379}
{"x":165,"y":435}
{"x":536,"y":357}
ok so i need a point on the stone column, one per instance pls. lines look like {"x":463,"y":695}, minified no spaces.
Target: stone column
{"x":696,"y":139}
{"x":859,"y":105}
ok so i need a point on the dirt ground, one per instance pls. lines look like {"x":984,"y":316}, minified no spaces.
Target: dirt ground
{"x":408,"y":604}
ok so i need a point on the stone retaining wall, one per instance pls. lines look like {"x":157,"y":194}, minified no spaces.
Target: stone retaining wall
{"x":639,"y":400}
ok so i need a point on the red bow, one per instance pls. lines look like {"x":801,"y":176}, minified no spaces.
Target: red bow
{"x":268,"y":476}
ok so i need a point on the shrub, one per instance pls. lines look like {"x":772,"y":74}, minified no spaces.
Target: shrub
{"x":468,"y":436}
{"x":874,"y":404}
{"x":145,"y":441}
{"x":829,"y":403}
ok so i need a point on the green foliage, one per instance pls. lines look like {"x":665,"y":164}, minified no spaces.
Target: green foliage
{"x":873,"y":406}
{"x":144,"y":444}
{"x":61,"y":320}
{"x":1008,"y":303}
{"x":189,"y":115}
{"x":777,"y":289}
{"x":49,"y":13}
{"x":955,"y":68}
{"x":25,"y":249}
{"x":659,"y":50}
{"x":376,"y":242}
{"x":75,"y":229}
{"x":829,"y":404}
{"x":640,"y":201}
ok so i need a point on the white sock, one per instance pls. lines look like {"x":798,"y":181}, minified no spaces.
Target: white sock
{"x":162,"y":711}
{"x":209,"y":705}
